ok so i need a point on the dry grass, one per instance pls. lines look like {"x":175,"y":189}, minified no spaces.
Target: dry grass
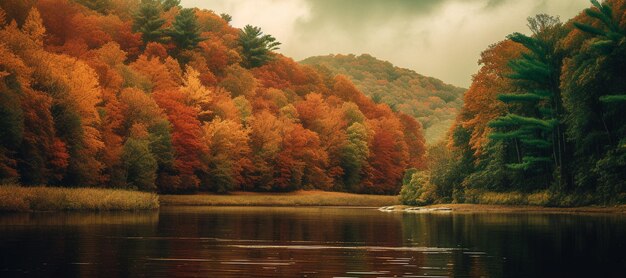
{"x":539,"y":198}
{"x":474,"y":196}
{"x":298,"y":198}
{"x":17,"y":198}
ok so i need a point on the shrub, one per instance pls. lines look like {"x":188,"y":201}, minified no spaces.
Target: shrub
{"x":418,"y":191}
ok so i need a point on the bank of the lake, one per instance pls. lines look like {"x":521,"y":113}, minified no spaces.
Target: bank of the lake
{"x":18,"y":198}
{"x":296,"y":198}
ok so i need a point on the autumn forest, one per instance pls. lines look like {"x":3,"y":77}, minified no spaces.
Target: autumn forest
{"x":150,"y":96}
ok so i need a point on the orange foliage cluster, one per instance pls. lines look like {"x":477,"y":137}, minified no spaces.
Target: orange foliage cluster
{"x":432,"y":102}
{"x":480,"y":103}
{"x":86,"y":102}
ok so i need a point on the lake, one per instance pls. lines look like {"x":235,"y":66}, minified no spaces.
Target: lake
{"x":310,"y":242}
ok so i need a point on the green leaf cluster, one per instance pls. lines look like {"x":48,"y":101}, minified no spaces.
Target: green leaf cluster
{"x":256,"y":47}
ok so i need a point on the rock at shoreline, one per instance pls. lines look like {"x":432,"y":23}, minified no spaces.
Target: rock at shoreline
{"x":414,"y":209}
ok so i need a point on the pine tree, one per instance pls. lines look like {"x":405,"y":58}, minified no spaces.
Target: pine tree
{"x":256,"y":47}
{"x":168,"y":4}
{"x":185,"y":32}
{"x":226,"y":17}
{"x":535,"y":126}
{"x":607,"y":40}
{"x":594,"y":91}
{"x":148,"y":21}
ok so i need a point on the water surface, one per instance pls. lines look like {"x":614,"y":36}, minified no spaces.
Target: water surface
{"x":310,"y":242}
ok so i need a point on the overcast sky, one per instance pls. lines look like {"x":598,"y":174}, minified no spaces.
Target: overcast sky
{"x":439,"y":38}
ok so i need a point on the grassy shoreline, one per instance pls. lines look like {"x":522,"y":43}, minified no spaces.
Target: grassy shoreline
{"x":18,"y":198}
{"x":297,"y":198}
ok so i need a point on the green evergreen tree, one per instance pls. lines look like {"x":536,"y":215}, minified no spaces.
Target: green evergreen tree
{"x":148,"y":21}
{"x":256,"y":47}
{"x":226,"y":17}
{"x":609,"y":43}
{"x":168,"y":4}
{"x":185,"y":32}
{"x":534,"y":124}
{"x":594,"y":92}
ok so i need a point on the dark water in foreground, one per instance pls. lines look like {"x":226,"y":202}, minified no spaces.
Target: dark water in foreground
{"x":310,"y":242}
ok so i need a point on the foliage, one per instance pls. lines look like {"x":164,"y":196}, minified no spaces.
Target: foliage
{"x":433,"y":103}
{"x":480,"y":108}
{"x":552,"y":101}
{"x":256,"y":47}
{"x":536,"y":129}
{"x":449,"y":166}
{"x":168,"y":4}
{"x":418,"y":191}
{"x":148,"y":21}
{"x":185,"y":32}
{"x":140,"y":163}
{"x":150,"y":96}
{"x":101,"y":6}
{"x":354,"y":155}
{"x":229,"y":154}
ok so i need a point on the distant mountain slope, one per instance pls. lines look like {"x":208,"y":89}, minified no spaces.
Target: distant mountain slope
{"x":430,"y":100}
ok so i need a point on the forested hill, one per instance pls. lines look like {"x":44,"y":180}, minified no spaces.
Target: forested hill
{"x":434,"y":103}
{"x":152,"y":96}
{"x":544,"y":115}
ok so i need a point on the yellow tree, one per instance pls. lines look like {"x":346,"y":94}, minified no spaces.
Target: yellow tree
{"x":162,"y":76}
{"x":197,"y":95}
{"x":265,"y":140}
{"x":229,"y":154}
{"x":33,"y":26}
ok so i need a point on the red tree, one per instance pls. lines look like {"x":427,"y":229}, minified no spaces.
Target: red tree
{"x":186,"y":138}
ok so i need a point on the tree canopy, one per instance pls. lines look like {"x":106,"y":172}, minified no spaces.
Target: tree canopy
{"x":256,"y":47}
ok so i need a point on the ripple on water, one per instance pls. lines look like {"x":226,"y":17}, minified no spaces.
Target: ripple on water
{"x":433,"y":250}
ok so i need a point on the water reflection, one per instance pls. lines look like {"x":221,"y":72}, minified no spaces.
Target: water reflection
{"x":78,"y":218}
{"x":310,"y":242}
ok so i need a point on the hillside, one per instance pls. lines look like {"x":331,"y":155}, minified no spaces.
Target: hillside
{"x":543,"y":122}
{"x":148,"y":95}
{"x":434,"y":103}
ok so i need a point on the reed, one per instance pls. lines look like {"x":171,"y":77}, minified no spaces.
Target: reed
{"x":297,"y":198}
{"x":19,"y":198}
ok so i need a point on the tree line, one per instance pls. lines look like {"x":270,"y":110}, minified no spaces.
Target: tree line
{"x":432,"y":102}
{"x":545,"y":112}
{"x":152,"y":96}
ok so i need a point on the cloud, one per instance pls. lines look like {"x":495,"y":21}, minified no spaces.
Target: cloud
{"x":439,"y":38}
{"x":275,"y":17}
